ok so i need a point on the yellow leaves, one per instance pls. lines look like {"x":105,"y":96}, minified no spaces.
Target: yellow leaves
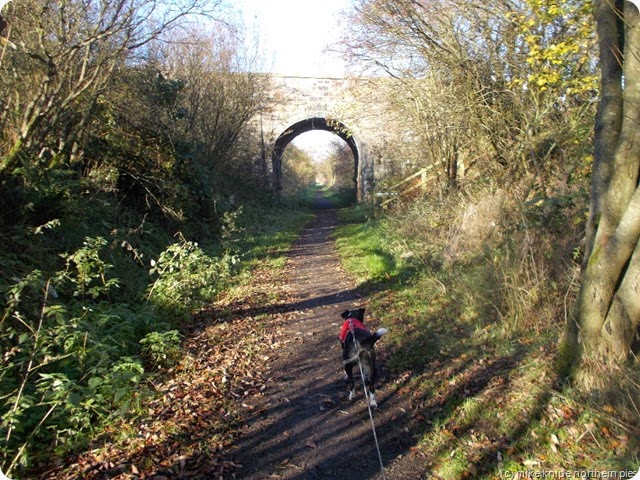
{"x":553,"y":56}
{"x":554,"y":11}
{"x":532,"y":40}
{"x":555,"y":53}
{"x":544,"y":79}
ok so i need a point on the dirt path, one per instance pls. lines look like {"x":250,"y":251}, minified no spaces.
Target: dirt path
{"x":270,"y":403}
{"x":304,"y":427}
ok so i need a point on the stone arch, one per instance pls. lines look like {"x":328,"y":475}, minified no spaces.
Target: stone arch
{"x":313,"y":123}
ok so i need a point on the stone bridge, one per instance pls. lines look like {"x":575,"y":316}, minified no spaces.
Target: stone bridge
{"x":301,"y":104}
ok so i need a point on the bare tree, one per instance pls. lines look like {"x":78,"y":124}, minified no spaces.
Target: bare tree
{"x":222,"y":93}
{"x":60,"y":57}
{"x":484,"y":81}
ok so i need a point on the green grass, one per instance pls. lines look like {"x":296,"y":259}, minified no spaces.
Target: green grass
{"x":337,"y":197}
{"x":269,"y":232}
{"x":366,"y":255}
{"x":344,"y":197}
{"x":359,"y":213}
{"x":484,"y":392}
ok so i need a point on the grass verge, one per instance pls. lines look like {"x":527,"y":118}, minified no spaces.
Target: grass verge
{"x":486,"y":401}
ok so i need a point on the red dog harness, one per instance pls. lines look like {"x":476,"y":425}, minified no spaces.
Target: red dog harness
{"x":357,"y":325}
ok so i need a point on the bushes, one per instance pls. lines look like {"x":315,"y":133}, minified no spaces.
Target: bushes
{"x":74,"y":347}
{"x":79,"y":340}
{"x":161,"y":349}
{"x":474,"y":328}
{"x":120,"y":151}
{"x":506,"y":262}
{"x":185,"y":279}
{"x":64,"y":365}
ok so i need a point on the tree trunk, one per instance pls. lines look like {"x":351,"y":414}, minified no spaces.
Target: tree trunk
{"x":606,"y":316}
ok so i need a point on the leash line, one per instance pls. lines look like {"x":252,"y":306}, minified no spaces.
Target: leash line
{"x":366,"y":396}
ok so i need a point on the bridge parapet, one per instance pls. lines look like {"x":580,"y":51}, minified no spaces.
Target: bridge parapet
{"x":296,"y":101}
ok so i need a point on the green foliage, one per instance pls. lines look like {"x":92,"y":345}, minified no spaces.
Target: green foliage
{"x":183,"y":268}
{"x":359,"y":213}
{"x":186,"y":278}
{"x":161,"y":349}
{"x":63,"y":367}
{"x":231,"y":234}
{"x":104,"y":159}
{"x":554,"y":212}
{"x":270,"y":231}
{"x":74,"y":349}
{"x":77,"y":342}
{"x":87,"y":272}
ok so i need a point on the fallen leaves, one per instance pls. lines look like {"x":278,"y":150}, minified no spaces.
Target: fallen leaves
{"x":188,"y":428}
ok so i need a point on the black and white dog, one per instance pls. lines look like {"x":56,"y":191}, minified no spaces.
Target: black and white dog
{"x":357,"y":343}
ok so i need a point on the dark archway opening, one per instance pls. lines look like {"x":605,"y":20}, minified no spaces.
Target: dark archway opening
{"x":315,"y":123}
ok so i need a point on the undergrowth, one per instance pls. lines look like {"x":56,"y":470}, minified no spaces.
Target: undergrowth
{"x":82,"y":331}
{"x":474,"y":293}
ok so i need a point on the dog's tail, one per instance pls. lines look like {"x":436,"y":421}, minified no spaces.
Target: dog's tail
{"x":379,"y":333}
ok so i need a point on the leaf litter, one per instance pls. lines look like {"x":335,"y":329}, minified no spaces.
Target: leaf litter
{"x":190,"y":422}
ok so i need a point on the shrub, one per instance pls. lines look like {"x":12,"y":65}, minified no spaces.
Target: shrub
{"x":68,"y":356}
{"x":186,"y":279}
{"x":161,"y":349}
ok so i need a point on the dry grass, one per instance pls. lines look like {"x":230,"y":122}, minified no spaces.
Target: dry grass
{"x":481,"y":317}
{"x":614,"y":389}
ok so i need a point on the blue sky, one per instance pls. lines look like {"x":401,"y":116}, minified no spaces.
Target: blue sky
{"x":294,"y":34}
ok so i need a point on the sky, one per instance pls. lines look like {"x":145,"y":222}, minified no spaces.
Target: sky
{"x":295,"y":33}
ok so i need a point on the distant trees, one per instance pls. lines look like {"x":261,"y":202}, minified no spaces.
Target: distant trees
{"x":298,"y":172}
{"x":337,"y":169}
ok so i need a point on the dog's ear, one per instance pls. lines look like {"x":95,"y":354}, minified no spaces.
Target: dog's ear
{"x":345,"y":314}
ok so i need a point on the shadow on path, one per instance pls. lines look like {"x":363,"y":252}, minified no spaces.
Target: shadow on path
{"x":305,"y":427}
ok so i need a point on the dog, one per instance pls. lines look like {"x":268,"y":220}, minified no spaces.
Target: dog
{"x":358,"y":343}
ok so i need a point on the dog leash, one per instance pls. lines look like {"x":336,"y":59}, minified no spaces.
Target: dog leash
{"x":366,"y":396}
